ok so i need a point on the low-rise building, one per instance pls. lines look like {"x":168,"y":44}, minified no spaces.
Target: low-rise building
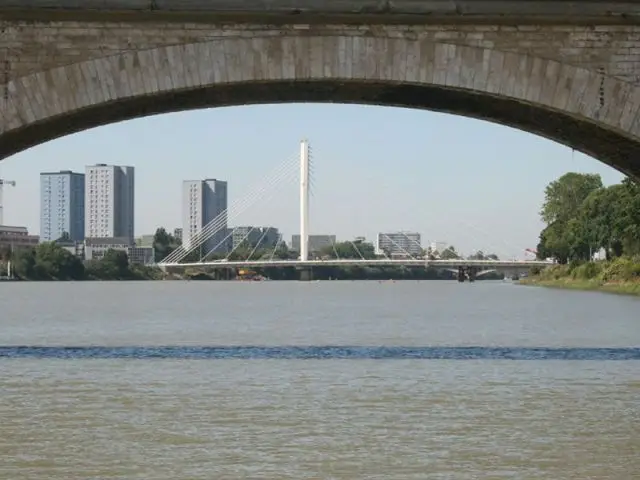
{"x":255,"y":237}
{"x":17,"y":237}
{"x":96,"y":248}
{"x":144,"y":241}
{"x":75,"y":248}
{"x":399,"y":244}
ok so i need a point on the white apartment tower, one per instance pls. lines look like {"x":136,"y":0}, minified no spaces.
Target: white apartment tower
{"x":204,"y":202}
{"x":109,"y":201}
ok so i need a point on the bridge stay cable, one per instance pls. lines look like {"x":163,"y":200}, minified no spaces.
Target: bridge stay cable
{"x":220,"y":222}
{"x":275,"y":249}
{"x":503,"y":253}
{"x":333,"y":245}
{"x":282,"y":177}
{"x":412,"y":240}
{"x":264,"y":234}
{"x":353,"y":244}
{"x":246,"y":236}
{"x":285,"y":176}
{"x":215,"y":225}
{"x":221,"y":218}
{"x":400,"y":247}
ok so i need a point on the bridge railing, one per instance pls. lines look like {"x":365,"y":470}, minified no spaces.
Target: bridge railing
{"x":373,"y":262}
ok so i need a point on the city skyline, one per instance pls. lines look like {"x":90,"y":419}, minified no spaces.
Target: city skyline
{"x":204,"y":202}
{"x":363,"y":184}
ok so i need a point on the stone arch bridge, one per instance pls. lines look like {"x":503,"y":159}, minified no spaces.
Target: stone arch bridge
{"x":568,"y":71}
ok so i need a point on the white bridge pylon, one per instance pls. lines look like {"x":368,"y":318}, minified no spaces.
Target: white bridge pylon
{"x":299,"y":166}
{"x":267,"y":187}
{"x":304,"y":200}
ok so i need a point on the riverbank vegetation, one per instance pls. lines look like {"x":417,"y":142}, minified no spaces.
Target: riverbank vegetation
{"x":620,"y":275}
{"x":593,"y":232}
{"x":49,"y":261}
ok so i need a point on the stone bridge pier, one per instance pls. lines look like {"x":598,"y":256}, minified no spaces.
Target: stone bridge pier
{"x":568,"y":71}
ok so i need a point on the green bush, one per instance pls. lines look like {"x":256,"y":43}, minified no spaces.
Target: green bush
{"x":587,"y":271}
{"x":621,"y":269}
{"x":535,"y":271}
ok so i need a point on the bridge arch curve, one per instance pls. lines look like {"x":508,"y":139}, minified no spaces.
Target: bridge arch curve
{"x":580,"y":108}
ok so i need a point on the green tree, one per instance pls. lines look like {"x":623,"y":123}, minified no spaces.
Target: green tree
{"x":114,"y":265}
{"x":583,"y":217}
{"x":164,"y":243}
{"x":47,"y":261}
{"x":627,"y":219}
{"x":577,"y":236}
{"x":53,"y":261}
{"x":5,"y":253}
{"x":449,"y":253}
{"x":24,"y":261}
{"x":564,"y":196}
{"x":351,"y":250}
{"x":553,"y":243}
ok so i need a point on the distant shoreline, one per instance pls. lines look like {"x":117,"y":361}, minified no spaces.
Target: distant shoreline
{"x":618,"y":288}
{"x":197,"y":279}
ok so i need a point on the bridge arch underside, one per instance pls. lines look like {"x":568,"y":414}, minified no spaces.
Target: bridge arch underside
{"x":576,"y":107}
{"x":613,"y":149}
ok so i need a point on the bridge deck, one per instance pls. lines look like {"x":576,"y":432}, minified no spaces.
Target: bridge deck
{"x":332,"y":11}
{"x":485,"y":264}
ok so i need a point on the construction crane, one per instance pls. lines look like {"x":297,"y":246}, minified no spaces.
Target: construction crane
{"x":11,"y":183}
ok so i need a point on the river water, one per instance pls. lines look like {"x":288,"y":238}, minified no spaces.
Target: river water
{"x":321,"y":380}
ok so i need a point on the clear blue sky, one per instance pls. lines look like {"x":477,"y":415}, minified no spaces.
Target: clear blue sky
{"x":470,"y":183}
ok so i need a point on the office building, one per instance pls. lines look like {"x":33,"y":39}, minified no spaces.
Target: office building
{"x":62,"y":209}
{"x":204,"y":202}
{"x":399,"y":244}
{"x":255,"y":237}
{"x":177,"y":234}
{"x":317,"y":243}
{"x":109,"y":201}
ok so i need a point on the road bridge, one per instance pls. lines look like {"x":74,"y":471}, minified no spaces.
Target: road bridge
{"x":376,"y":262}
{"x":565,"y":70}
{"x":463,"y":269}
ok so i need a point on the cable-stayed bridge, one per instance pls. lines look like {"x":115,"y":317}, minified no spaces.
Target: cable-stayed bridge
{"x":369,"y":262}
{"x":194,"y":254}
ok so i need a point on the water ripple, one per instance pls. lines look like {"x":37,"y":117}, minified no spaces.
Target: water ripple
{"x":319,"y":352}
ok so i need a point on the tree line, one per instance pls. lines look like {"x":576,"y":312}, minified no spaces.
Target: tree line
{"x":583,"y":217}
{"x":50,"y":261}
